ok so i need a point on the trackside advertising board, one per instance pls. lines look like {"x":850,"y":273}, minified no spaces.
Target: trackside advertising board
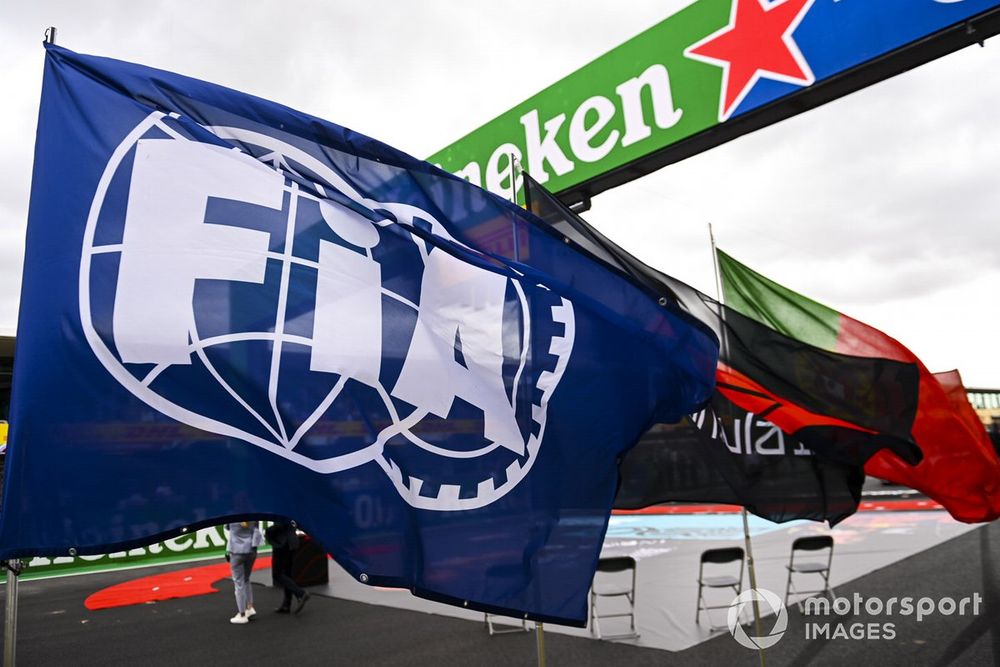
{"x":709,"y":72}
{"x":202,"y":544}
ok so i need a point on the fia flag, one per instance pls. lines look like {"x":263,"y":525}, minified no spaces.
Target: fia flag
{"x":234,"y":309}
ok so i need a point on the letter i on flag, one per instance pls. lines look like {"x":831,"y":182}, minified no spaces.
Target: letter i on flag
{"x":959,"y":469}
{"x":232,"y":310}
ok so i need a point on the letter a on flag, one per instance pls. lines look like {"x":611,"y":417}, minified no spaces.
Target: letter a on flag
{"x":231,"y":309}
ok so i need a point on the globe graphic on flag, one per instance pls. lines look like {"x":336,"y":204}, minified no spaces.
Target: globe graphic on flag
{"x":249,"y":316}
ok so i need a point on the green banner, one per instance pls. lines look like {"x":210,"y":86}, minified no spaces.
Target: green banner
{"x":711,"y":71}
{"x":202,"y":544}
{"x":626,"y":104}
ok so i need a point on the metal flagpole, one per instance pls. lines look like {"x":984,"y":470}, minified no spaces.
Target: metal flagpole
{"x":10,"y":614}
{"x":753,"y":585}
{"x":15,"y":565}
{"x":746,"y":522}
{"x":513,"y":179}
{"x":540,"y":643}
{"x":514,"y":166}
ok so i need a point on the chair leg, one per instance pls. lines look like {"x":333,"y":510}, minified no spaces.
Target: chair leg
{"x":828,"y":589}
{"x":697,"y":615}
{"x":631,"y":608}
{"x":798,"y":598}
{"x":739,"y":619}
{"x":738,"y":588}
{"x":788,"y":588}
{"x":595,"y":627}
{"x":503,"y":629}
{"x":590,"y":618}
{"x":793,"y":593}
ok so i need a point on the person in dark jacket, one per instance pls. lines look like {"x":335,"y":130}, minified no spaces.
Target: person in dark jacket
{"x":284,"y":541}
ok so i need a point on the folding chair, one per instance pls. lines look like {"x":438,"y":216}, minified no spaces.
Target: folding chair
{"x":504,"y":628}
{"x":814,"y":543}
{"x":717,"y":557}
{"x":509,"y":573}
{"x":612,"y":580}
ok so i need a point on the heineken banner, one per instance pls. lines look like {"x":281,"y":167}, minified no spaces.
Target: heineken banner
{"x":709,"y":72}
{"x":200,"y":544}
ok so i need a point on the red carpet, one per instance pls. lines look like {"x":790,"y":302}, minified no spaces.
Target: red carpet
{"x":181,"y":584}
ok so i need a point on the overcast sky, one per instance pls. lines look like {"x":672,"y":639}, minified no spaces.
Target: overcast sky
{"x":884,"y":205}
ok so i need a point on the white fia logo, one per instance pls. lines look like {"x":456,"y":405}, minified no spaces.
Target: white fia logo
{"x":167,"y":246}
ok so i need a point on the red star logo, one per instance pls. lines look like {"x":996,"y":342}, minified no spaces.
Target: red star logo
{"x":757,"y":43}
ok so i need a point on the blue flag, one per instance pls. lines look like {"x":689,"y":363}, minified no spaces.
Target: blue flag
{"x":231,"y":309}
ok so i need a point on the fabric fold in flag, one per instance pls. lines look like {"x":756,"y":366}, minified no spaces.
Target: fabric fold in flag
{"x":231,"y":309}
{"x":959,"y":468}
{"x":790,"y":425}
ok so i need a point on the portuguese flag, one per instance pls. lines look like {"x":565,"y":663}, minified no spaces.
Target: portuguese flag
{"x":959,"y":469}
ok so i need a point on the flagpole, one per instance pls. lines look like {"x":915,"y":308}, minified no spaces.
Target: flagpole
{"x":13,"y":568}
{"x":746,"y":521}
{"x":513,"y":179}
{"x":516,"y":254}
{"x":540,"y":643}
{"x":514,"y":166}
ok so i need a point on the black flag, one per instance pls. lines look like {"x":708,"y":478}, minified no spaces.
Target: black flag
{"x":725,"y":454}
{"x":789,"y":426}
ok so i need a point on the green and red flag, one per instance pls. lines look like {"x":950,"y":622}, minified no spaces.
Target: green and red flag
{"x":958,"y":396}
{"x":959,"y":469}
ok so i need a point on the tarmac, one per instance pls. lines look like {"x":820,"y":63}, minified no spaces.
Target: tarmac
{"x":55,"y":628}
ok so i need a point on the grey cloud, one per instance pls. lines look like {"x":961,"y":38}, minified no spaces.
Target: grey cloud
{"x":881,"y":204}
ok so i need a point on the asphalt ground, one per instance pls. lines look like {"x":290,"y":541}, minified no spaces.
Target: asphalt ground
{"x":54,"y":627}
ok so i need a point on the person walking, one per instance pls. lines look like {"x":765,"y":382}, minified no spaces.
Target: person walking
{"x":284,"y":541}
{"x":241,"y":552}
